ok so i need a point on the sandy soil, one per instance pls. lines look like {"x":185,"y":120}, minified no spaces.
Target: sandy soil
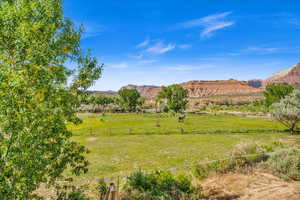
{"x":254,"y":186}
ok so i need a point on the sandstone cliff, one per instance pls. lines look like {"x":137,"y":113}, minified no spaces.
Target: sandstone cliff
{"x":220,"y":87}
{"x":144,"y":90}
{"x":289,"y":76}
{"x":198,"y":89}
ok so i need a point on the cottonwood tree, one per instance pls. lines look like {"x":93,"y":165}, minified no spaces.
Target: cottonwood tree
{"x":36,"y":101}
{"x":129,"y":99}
{"x":287,"y":111}
{"x":176,"y":97}
{"x":102,"y":101}
{"x":275,"y":92}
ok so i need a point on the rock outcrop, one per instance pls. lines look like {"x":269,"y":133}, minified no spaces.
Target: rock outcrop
{"x":198,"y":89}
{"x":220,"y":87}
{"x":144,"y":90}
{"x":256,"y":83}
{"x":289,"y":76}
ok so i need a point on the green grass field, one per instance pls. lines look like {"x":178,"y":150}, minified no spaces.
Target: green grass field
{"x":122,"y":143}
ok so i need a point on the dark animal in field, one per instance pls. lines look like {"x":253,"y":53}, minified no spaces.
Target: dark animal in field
{"x":181,"y":118}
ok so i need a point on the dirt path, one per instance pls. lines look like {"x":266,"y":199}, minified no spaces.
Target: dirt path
{"x":255,"y":186}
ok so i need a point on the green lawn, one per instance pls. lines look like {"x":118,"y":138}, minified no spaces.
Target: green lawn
{"x":120,"y":151}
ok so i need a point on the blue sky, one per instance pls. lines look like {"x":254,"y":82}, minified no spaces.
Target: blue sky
{"x":160,"y":42}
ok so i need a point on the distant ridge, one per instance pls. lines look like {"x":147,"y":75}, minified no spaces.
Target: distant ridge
{"x":202,"y":88}
{"x":289,"y":76}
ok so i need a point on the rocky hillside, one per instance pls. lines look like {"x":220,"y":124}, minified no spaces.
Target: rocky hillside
{"x":220,"y":87}
{"x":202,"y":88}
{"x":289,"y":76}
{"x":144,"y":90}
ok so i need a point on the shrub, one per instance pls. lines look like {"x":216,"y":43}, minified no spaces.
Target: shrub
{"x":286,"y":162}
{"x":287,"y":111}
{"x":243,"y":156}
{"x":158,"y":185}
{"x":70,"y":193}
{"x":275,"y":92}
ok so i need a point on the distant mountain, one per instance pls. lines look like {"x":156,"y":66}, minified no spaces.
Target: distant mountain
{"x":218,"y":87}
{"x":144,"y":90}
{"x":202,"y":88}
{"x":256,"y":83}
{"x":289,"y":76}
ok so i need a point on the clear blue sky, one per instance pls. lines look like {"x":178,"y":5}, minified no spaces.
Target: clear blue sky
{"x":160,"y":42}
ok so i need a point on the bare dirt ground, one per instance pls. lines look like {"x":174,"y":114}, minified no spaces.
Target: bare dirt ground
{"x":252,"y":186}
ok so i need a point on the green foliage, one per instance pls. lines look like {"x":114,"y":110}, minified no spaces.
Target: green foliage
{"x":286,"y":162}
{"x":287,"y":111}
{"x":102,"y":188}
{"x":275,"y":92}
{"x":36,"y":102}
{"x":101,"y":101}
{"x":243,"y":155}
{"x":129,"y":99}
{"x":176,"y":97}
{"x":255,"y":107}
{"x":159,"y":185}
{"x":70,"y":193}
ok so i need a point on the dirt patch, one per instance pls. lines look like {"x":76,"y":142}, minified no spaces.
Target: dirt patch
{"x":91,"y":139}
{"x":254,"y":186}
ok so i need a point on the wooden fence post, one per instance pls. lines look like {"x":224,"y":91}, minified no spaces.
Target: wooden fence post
{"x":181,"y":130}
{"x":112,"y":192}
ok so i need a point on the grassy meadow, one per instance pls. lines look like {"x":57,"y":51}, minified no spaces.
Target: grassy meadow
{"x":122,"y":143}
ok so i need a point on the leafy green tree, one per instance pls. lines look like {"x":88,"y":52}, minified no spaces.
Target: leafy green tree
{"x":275,"y":92}
{"x":176,"y":97}
{"x":102,"y":101}
{"x":129,"y":99}
{"x":287,"y":111}
{"x":36,"y":100}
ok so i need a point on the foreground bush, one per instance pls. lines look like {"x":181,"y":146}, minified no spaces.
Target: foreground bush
{"x":159,"y":185}
{"x":287,"y":111}
{"x":286,"y":162}
{"x":243,"y":156}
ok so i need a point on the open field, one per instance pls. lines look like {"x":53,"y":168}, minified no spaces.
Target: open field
{"x":122,"y":143}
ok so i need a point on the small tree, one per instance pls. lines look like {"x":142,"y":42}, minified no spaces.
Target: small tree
{"x":176,"y":97}
{"x":129,"y":99}
{"x":287,"y":111}
{"x":275,"y":92}
{"x":103,"y":101}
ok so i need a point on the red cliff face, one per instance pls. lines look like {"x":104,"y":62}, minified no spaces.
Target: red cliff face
{"x":203,"y":88}
{"x":289,"y":76}
{"x":213,"y":88}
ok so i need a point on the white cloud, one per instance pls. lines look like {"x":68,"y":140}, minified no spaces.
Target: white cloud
{"x":144,"y":62}
{"x":255,"y":50}
{"x":208,"y":31}
{"x":209,"y":24}
{"x":189,"y":67}
{"x":184,"y":46}
{"x":261,"y":49}
{"x":160,"y":48}
{"x":143,"y":44}
{"x":120,"y":65}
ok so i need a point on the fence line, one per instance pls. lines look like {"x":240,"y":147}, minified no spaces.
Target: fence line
{"x":165,"y":130}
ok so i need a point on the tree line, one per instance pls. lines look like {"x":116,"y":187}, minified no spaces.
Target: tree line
{"x":172,"y":98}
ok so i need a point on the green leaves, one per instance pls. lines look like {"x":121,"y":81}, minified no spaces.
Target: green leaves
{"x":129,"y":99}
{"x":275,"y":92}
{"x":176,"y":97}
{"x":36,"y":102}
